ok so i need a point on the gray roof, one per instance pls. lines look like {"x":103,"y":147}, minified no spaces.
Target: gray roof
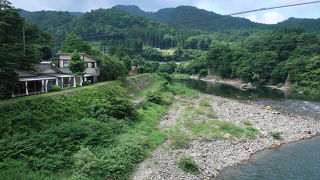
{"x":65,"y":70}
{"x":43,"y":66}
{"x":22,"y":74}
{"x":36,"y":78}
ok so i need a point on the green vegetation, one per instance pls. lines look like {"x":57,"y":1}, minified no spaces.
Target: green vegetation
{"x":94,"y":134}
{"x":276,"y":135}
{"x":13,"y":54}
{"x":205,"y":102}
{"x":202,"y":123}
{"x":264,"y":58}
{"x":178,"y":138}
{"x":77,"y":66}
{"x":55,"y":88}
{"x":188,"y":165}
{"x":247,"y":123}
{"x":184,"y":91}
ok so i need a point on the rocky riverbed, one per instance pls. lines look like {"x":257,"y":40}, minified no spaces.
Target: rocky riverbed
{"x":214,"y":155}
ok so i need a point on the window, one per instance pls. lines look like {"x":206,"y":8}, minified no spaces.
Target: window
{"x":65,"y":63}
{"x":90,"y":65}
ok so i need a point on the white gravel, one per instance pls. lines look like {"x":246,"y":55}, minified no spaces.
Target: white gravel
{"x":214,"y":155}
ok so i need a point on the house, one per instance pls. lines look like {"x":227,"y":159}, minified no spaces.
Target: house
{"x":92,"y":71}
{"x":134,"y":70}
{"x":46,"y":74}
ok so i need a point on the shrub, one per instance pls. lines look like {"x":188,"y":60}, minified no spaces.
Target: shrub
{"x":85,"y":162}
{"x":118,"y":162}
{"x":247,"y":123}
{"x":86,"y":83}
{"x":155,"y":97}
{"x":55,"y":88}
{"x":276,"y":135}
{"x":188,"y":165}
{"x":120,"y":108}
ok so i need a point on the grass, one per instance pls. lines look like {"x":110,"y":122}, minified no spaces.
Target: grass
{"x":156,"y":85}
{"x":178,"y":138}
{"x":202,"y":113}
{"x":218,"y":129}
{"x":276,"y":135}
{"x":202,"y":123}
{"x":247,"y":123}
{"x":181,"y":76}
{"x":183,"y":91}
{"x":205,"y":102}
{"x":188,"y":165}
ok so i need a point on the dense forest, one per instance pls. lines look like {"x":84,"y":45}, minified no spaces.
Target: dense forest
{"x":229,"y":47}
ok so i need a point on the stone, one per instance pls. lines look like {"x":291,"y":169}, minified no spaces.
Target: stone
{"x":227,"y":135}
{"x":269,"y":108}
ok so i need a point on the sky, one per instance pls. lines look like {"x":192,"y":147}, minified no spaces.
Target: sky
{"x":217,"y":6}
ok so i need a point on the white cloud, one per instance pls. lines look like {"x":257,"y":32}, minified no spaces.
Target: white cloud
{"x":266,"y":18}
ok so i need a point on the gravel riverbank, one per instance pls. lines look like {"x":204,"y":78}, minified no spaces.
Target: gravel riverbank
{"x":213,"y":155}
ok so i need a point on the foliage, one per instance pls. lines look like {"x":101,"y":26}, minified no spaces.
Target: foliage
{"x":13,"y":54}
{"x":155,"y":97}
{"x":188,"y":165}
{"x":55,"y":88}
{"x":205,"y":102}
{"x":276,"y":135}
{"x":112,"y":68}
{"x":247,"y":123}
{"x":169,"y":67}
{"x":178,"y":138}
{"x":77,"y":66}
{"x":74,"y":43}
{"x":92,"y":134}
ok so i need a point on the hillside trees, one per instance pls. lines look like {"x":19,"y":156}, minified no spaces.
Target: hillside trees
{"x":13,"y":53}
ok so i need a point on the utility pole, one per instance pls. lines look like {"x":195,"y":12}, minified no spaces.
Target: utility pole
{"x":24,"y":40}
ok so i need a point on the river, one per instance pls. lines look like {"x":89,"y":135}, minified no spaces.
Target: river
{"x":296,"y":161}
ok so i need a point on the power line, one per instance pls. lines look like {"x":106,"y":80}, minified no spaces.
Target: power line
{"x":211,"y":18}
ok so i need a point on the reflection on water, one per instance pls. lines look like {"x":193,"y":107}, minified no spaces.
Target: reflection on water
{"x":292,"y":103}
{"x":298,"y":161}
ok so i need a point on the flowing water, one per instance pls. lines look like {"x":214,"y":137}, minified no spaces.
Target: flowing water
{"x":296,"y":161}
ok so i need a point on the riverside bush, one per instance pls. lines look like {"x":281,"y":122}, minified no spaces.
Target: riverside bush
{"x":276,"y":135}
{"x":188,"y":165}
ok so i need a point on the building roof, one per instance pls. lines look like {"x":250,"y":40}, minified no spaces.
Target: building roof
{"x":65,"y":70}
{"x":22,"y":73}
{"x":37,"y":78}
{"x":60,"y":75}
{"x":44,"y":65}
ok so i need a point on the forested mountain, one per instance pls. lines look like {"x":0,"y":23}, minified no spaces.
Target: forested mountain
{"x":112,"y":24}
{"x":310,"y":25}
{"x":189,"y":13}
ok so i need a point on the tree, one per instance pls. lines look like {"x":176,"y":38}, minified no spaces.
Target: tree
{"x":13,"y":55}
{"x":169,"y":67}
{"x":77,"y":66}
{"x":112,"y":68}
{"x":75,"y":43}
